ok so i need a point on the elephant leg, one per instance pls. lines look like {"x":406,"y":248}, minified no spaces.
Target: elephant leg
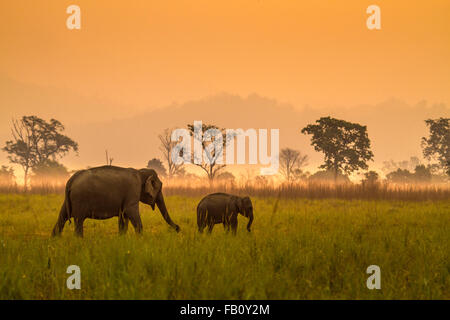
{"x":233,"y":223}
{"x":201,"y":220}
{"x":123,"y":224}
{"x":210,"y":225}
{"x":226,"y":225}
{"x":226,"y":222}
{"x":79,"y":226}
{"x":133,"y":214}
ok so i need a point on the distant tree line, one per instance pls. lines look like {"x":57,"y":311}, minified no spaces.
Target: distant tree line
{"x":37,"y":145}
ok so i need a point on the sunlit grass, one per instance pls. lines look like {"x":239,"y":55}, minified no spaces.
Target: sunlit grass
{"x":305,"y":249}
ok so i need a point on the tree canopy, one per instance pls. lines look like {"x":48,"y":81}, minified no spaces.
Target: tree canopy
{"x":421,"y":174}
{"x":158,"y":166}
{"x":166,"y":146}
{"x":437,"y":145}
{"x":346,"y":145}
{"x":36,"y":141}
{"x":7,"y":176}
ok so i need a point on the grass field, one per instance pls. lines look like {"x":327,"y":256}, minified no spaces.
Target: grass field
{"x":306,"y":249}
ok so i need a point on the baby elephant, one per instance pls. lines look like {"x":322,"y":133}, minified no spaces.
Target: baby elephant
{"x":223,"y":208}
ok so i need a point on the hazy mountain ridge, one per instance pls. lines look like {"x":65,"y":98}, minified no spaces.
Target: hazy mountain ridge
{"x":394,"y":127}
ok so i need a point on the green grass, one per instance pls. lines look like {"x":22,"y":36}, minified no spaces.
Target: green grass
{"x":308,"y":249}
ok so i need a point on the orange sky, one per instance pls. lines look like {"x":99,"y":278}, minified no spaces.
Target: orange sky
{"x":132,"y":57}
{"x":146,"y":54}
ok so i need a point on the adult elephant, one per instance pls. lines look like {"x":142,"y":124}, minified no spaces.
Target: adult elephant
{"x":223,"y":208}
{"x":109,"y":191}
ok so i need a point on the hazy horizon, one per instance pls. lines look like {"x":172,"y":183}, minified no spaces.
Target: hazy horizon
{"x":132,"y":142}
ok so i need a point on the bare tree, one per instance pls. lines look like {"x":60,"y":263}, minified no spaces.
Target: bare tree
{"x":212,"y":166}
{"x":166,"y":147}
{"x":20,"y":149}
{"x":291,"y":162}
{"x":109,"y":160}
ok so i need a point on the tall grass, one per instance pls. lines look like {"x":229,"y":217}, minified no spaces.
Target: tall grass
{"x":308,"y":190}
{"x":298,"y":249}
{"x":313,"y":190}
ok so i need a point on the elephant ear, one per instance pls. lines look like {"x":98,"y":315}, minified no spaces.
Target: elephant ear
{"x":153,"y":186}
{"x":237,"y":204}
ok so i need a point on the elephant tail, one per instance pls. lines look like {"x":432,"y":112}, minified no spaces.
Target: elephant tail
{"x":67,"y":203}
{"x":62,"y":218}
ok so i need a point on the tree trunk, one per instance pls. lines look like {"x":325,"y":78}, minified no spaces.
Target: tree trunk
{"x":25,"y":180}
{"x":336,"y":170}
{"x":211,"y":177}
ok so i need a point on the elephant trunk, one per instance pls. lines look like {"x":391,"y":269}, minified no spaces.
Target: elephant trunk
{"x":250,"y":220}
{"x":162,"y":208}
